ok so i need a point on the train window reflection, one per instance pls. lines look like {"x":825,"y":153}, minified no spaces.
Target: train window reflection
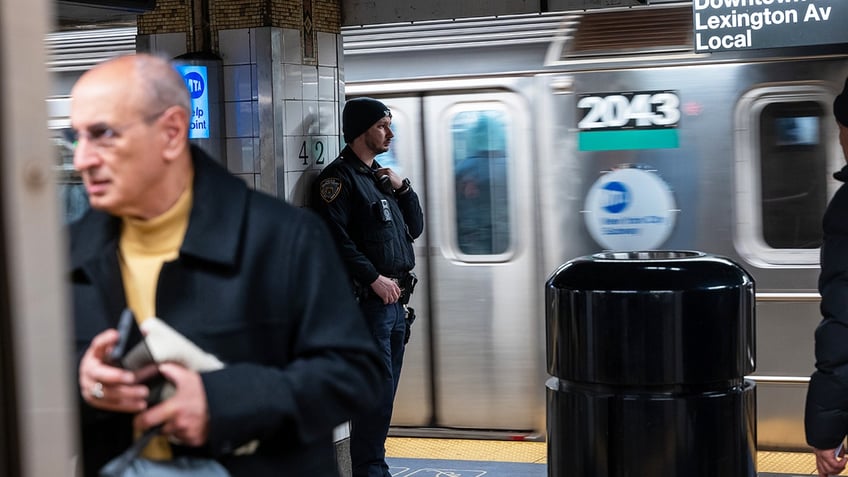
{"x":73,"y":201}
{"x":793,"y":174}
{"x":480,"y":181}
{"x":797,"y":131}
{"x":390,"y":157}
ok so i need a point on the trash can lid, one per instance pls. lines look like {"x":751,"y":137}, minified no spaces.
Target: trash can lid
{"x":649,"y":270}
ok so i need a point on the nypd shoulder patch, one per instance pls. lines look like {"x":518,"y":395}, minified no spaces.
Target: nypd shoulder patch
{"x":330,"y":189}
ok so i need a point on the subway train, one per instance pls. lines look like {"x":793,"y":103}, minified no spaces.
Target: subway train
{"x":536,"y":139}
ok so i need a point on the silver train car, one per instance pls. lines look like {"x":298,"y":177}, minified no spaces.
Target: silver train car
{"x":536,"y":139}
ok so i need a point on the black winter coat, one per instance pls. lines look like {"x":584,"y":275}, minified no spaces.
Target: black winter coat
{"x":259,"y":284}
{"x":371,"y":243}
{"x":826,"y":415}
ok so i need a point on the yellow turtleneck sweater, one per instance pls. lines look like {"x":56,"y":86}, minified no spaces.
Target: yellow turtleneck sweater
{"x":147,"y":244}
{"x":144,"y":246}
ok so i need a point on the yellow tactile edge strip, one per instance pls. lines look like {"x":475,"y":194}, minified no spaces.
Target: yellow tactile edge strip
{"x":802,"y":463}
{"x":467,"y":449}
{"x":799,"y":463}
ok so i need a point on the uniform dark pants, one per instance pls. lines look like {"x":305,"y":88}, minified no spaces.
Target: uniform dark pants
{"x":368,"y":432}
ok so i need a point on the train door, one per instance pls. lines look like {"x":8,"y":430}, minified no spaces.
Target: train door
{"x":480,"y":318}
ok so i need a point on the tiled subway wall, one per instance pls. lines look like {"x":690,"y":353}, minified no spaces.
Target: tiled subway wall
{"x":281,"y":116}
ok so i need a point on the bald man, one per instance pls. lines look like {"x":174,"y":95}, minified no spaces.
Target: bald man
{"x":242,"y":275}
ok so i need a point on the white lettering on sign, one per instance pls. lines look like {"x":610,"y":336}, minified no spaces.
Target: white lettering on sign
{"x":640,"y":110}
{"x":751,"y":21}
{"x":735,"y":24}
{"x":723,"y":42}
{"x":817,"y":14}
{"x":705,"y":4}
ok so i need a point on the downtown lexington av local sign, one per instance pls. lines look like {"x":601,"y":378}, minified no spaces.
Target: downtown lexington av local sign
{"x":722,"y":25}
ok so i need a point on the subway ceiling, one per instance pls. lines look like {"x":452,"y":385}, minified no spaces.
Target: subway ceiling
{"x":87,"y":14}
{"x":98,"y":13}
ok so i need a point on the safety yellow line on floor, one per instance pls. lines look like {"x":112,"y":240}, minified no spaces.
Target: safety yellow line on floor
{"x":536,"y":452}
{"x":467,"y":449}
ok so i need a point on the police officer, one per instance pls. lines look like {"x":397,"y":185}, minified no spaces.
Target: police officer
{"x":374,"y":216}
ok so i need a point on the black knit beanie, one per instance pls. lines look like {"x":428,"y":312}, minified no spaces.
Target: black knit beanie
{"x":840,"y":106}
{"x":359,"y":114}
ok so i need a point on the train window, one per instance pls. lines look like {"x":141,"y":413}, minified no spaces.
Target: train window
{"x":479,"y":140}
{"x":71,"y":192}
{"x":786,"y":150}
{"x":390,"y":157}
{"x":793,"y":172}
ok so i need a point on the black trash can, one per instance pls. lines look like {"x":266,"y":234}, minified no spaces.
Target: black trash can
{"x":647,"y":354}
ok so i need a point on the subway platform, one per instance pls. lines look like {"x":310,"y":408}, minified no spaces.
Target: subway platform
{"x":426,"y":457}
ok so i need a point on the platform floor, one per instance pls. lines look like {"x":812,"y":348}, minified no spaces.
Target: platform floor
{"x":470,"y":457}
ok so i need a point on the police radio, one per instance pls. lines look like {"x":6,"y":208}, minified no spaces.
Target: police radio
{"x":385,"y":211}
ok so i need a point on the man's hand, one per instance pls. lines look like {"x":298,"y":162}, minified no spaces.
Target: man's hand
{"x":827,"y":463}
{"x":109,"y":387}
{"x":185,"y":415}
{"x":396,"y":180}
{"x":386,"y":289}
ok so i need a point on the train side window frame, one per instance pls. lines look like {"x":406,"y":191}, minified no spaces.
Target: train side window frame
{"x":512,"y":118}
{"x":69,"y":187}
{"x":749,"y":233}
{"x":399,"y":156}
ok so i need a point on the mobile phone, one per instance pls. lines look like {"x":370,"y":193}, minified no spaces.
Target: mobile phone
{"x":128,"y":332}
{"x":838,"y":452}
{"x":131,"y":352}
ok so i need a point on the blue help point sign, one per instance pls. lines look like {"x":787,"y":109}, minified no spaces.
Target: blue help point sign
{"x":196,"y":81}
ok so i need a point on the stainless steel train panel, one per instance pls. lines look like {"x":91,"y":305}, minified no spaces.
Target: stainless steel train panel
{"x":486,"y":319}
{"x":484,"y":339}
{"x":479,"y":324}
{"x":785,"y":359}
{"x":709,"y":167}
{"x":780,"y":417}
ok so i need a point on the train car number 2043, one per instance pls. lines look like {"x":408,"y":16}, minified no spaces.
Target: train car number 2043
{"x":629,"y":110}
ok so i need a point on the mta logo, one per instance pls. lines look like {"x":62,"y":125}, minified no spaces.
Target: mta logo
{"x":615,"y":198}
{"x":195,"y":84}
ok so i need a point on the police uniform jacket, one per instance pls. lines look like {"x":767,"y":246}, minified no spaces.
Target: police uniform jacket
{"x":826,"y":416}
{"x":371,"y":243}
{"x":250,"y":285}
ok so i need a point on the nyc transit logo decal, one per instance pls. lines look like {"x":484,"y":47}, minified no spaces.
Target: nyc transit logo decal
{"x":630,"y":209}
{"x":635,"y":120}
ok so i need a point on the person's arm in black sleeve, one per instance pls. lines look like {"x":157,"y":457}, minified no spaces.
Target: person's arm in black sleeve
{"x":412,"y":214}
{"x":336,"y":212}
{"x":826,"y":414}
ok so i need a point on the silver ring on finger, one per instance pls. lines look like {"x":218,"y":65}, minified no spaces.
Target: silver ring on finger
{"x":97,"y":390}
